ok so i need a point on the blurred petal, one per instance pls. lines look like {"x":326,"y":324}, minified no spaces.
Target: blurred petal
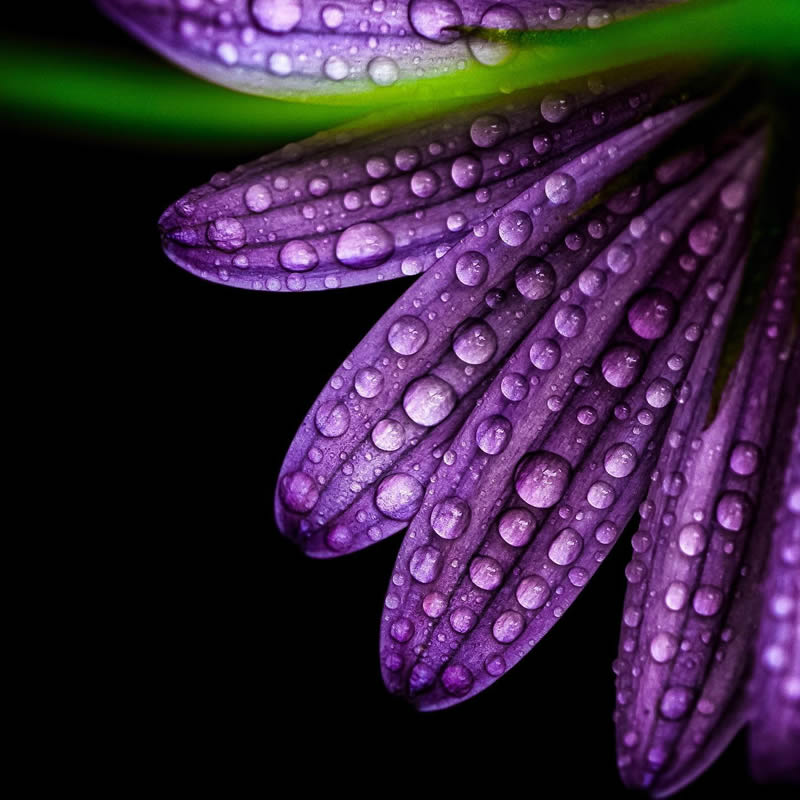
{"x":467,"y":602}
{"x":319,"y":48}
{"x":357,"y":467}
{"x":689,"y":620}
{"x":775,"y":727}
{"x":346,"y":208}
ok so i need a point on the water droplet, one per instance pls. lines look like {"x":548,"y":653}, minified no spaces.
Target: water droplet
{"x":466,"y":172}
{"x":463,"y":620}
{"x":620,"y":258}
{"x":298,"y":492}
{"x":652,"y":314}
{"x":516,"y":527}
{"x":474,"y":342}
{"x":368,"y":382}
{"x":402,"y":629}
{"x":450,"y":518}
{"x":675,"y":596}
{"x":472,"y":268}
{"x":258,"y":198}
{"x":560,"y":188}
{"x":745,"y":458}
{"x":336,"y":68}
{"x":620,"y":460}
{"x":621,"y":365}
{"x":592,"y":282}
{"x":600,"y":495}
{"x":606,"y":532}
{"x":495,"y":665}
{"x":707,"y":601}
{"x":383,"y":71}
{"x":705,"y":237}
{"x":492,"y":434}
{"x":364,"y":245}
{"x":541,"y":478}
{"x":298,"y":256}
{"x":508,"y":626}
{"x":388,"y":435}
{"x":676,"y":702}
{"x":545,"y":354}
{"x":339,"y":538}
{"x":428,"y":400}
{"x":557,"y":107}
{"x":434,"y":604}
{"x":566,"y":547}
{"x":488,"y":130}
{"x":407,"y":335}
{"x":485,"y":573}
{"x":491,"y":52}
{"x":457,"y":680}
{"x":534,"y":278}
{"x":733,"y":510}
{"x":226,"y":234}
{"x":332,"y":16}
{"x":663,"y":647}
{"x":399,"y":496}
{"x":659,"y":393}
{"x":277,"y":16}
{"x":514,"y":387}
{"x":332,"y":419}
{"x":570,"y":321}
{"x":435,"y":19}
{"x":692,"y":539}
{"x":425,"y":564}
{"x":424,"y":183}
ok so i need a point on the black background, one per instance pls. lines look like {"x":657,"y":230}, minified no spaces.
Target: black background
{"x":245,"y":662}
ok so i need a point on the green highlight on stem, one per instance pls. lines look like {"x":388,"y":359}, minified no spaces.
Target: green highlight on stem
{"x":126,"y":97}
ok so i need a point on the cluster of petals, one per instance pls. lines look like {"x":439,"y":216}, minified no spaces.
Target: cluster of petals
{"x":560,"y":368}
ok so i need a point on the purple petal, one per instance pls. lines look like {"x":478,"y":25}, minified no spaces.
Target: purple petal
{"x":356,"y":470}
{"x":775,"y":689}
{"x":287,"y":47}
{"x":576,"y":460}
{"x":347,"y":208}
{"x":694,"y":579}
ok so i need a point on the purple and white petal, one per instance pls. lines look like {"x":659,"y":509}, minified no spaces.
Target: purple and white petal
{"x":362,"y":205}
{"x":689,"y":620}
{"x":290,"y":47}
{"x":775,"y":688}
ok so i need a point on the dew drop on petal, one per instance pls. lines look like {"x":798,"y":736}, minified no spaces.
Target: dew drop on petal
{"x":508,"y":626}
{"x":485,"y":573}
{"x":532,"y":592}
{"x":298,"y":492}
{"x":428,"y":400}
{"x":534,"y":278}
{"x":425,"y":564}
{"x":652,"y":314}
{"x":474,"y":342}
{"x":407,"y":335}
{"x":566,"y":547}
{"x":541,"y":478}
{"x":435,"y":19}
{"x":472,"y":268}
{"x":516,"y":527}
{"x":450,"y":517}
{"x":492,"y":435}
{"x":364,"y":245}
{"x":399,"y":496}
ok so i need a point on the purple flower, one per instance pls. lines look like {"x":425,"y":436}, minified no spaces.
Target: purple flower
{"x":593,"y":336}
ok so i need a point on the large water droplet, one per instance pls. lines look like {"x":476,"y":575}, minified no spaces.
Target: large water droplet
{"x":383,"y":71}
{"x":745,"y":458}
{"x":399,"y":496}
{"x":472,"y":268}
{"x":516,"y":527}
{"x":226,"y":234}
{"x":532,"y":592}
{"x":620,"y":460}
{"x":663,"y":647}
{"x":733,"y":510}
{"x":490,"y":52}
{"x":534,"y":278}
{"x":557,"y":107}
{"x":493,"y":434}
{"x":560,"y":188}
{"x":692,"y":539}
{"x":364,"y":245}
{"x":651,"y":315}
{"x":545,"y":354}
{"x":542,"y":478}
{"x":485,"y":573}
{"x":463,"y":620}
{"x":368,"y":382}
{"x":515,"y":228}
{"x":425,"y":564}
{"x":388,"y":435}
{"x":466,"y":172}
{"x":298,"y":492}
{"x":570,"y":321}
{"x":621,"y":365}
{"x":428,"y":400}
{"x":332,"y":419}
{"x":424,"y":183}
{"x":488,"y":130}
{"x":407,"y":335}
{"x":277,"y":16}
{"x":474,"y":342}
{"x":566,"y":547}
{"x":707,"y":601}
{"x":457,"y":680}
{"x":298,"y":256}
{"x":450,"y":518}
{"x":508,"y":626}
{"x":434,"y":19}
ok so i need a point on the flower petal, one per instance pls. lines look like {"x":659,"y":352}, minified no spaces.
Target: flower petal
{"x":693,"y":583}
{"x":775,"y":689}
{"x":356,"y":469}
{"x":575,"y":464}
{"x":312,"y":48}
{"x":352,"y":207}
